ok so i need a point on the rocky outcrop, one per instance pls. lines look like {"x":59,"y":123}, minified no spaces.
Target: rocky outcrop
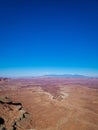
{"x":14,"y":117}
{"x":4,"y":79}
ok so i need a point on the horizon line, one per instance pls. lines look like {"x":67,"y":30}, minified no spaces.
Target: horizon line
{"x":52,"y":75}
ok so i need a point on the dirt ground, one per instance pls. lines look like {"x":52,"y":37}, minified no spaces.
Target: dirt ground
{"x":49,"y":104}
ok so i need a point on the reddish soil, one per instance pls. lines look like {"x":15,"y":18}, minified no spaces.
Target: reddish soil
{"x":48,"y":104}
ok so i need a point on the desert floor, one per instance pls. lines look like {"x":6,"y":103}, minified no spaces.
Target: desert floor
{"x":49,"y":104}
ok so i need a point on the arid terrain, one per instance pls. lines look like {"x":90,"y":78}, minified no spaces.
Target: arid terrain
{"x":49,"y":104}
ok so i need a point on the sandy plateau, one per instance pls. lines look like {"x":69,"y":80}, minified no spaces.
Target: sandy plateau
{"x":49,"y":104}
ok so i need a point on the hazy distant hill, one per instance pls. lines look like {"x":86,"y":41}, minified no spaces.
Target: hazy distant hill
{"x":67,"y":76}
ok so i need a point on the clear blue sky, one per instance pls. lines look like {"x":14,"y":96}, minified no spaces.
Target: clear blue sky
{"x":48,"y":36}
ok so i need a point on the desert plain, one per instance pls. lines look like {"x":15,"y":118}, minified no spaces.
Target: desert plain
{"x":48,"y":103}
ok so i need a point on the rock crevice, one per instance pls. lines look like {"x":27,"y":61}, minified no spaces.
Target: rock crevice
{"x":16,"y":115}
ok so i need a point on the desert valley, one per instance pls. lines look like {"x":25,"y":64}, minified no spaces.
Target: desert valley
{"x":49,"y":104}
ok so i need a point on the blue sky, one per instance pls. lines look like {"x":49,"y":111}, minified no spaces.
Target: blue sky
{"x":54,"y":36}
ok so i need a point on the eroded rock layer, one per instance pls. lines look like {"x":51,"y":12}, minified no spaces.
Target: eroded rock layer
{"x":49,"y":104}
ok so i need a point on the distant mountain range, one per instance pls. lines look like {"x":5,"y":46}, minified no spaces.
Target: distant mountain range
{"x":67,"y":76}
